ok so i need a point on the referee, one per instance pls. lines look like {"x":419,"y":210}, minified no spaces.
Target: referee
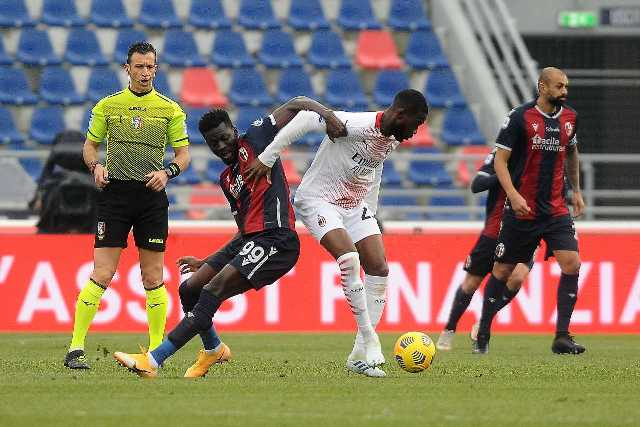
{"x":138,"y":123}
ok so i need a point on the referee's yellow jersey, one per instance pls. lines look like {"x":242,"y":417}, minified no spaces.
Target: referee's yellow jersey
{"x":137,"y":130}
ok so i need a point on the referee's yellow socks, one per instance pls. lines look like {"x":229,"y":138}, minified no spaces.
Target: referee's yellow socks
{"x":86,"y":308}
{"x":157,"y":303}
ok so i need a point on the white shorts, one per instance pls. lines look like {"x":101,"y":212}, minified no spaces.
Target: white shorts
{"x":320,"y":217}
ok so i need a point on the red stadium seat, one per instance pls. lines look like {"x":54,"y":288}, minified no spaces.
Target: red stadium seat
{"x":465,"y":172}
{"x":422,"y":138}
{"x":290,"y":171}
{"x":376,"y":50}
{"x":205,"y":194}
{"x":200,"y":88}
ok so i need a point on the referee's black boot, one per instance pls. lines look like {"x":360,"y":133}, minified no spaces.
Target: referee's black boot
{"x":76,"y":360}
{"x":481,"y":345}
{"x":564,"y":344}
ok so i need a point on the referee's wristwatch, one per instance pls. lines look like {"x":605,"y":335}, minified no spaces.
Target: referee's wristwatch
{"x":172,"y":170}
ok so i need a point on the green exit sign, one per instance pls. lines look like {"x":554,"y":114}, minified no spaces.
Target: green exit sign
{"x":578,"y":19}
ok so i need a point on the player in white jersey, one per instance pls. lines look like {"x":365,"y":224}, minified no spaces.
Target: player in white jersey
{"x":337,"y":201}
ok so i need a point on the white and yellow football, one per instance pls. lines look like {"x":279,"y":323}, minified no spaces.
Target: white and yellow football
{"x":414,"y":351}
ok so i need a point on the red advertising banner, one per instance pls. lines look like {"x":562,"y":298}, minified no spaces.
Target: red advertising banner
{"x":40,"y":276}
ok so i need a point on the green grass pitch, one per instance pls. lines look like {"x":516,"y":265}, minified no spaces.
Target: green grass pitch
{"x":300,"y":380}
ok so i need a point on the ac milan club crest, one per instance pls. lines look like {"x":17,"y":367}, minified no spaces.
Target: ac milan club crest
{"x":322,"y":221}
{"x":242,"y":153}
{"x":568,"y":127}
{"x":500,"y":250}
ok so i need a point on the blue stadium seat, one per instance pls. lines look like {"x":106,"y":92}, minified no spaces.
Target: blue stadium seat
{"x":230,"y":51}
{"x":14,"y":88}
{"x":13,"y":13}
{"x":424,"y":51}
{"x":408,"y":15}
{"x":388,"y":83}
{"x":61,"y":13}
{"x":294,"y":82}
{"x":32,"y":166}
{"x":161,"y":84}
{"x":83,"y":48}
{"x":448,"y":201}
{"x":277,"y":50}
{"x":429,"y":172}
{"x":126,"y":37}
{"x":187,"y":177}
{"x":5,"y":59}
{"x":248,"y":88}
{"x":344,"y":91}
{"x":459,"y":127}
{"x":109,"y":13}
{"x":442,"y":89}
{"x":180,"y":50}
{"x":84,"y":125}
{"x":57,"y":87}
{"x":398,"y":201}
{"x":257,"y":15}
{"x":208,"y":14}
{"x":46,"y":123}
{"x":193,"y":117}
{"x":159,"y":14}
{"x":9,"y":134}
{"x":34,"y":48}
{"x":214,"y":169}
{"x":390,"y":176}
{"x":103,"y":81}
{"x":307,"y":15}
{"x":357,"y":15}
{"x":326,"y":51}
{"x":248,"y":115}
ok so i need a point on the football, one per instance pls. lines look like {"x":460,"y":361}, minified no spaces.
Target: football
{"x":414,"y":351}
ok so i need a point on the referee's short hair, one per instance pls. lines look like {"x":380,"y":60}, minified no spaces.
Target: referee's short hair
{"x":140,"y":47}
{"x":212,"y":119}
{"x":411,"y":100}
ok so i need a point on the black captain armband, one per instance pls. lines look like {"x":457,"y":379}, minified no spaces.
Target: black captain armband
{"x":172,"y":170}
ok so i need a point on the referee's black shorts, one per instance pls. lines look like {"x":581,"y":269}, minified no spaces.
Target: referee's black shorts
{"x":123,"y":205}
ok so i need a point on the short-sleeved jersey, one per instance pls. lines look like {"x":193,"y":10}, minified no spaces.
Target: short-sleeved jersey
{"x":348,"y":171}
{"x":538,"y":143}
{"x":137,"y":130}
{"x":495,"y":200}
{"x":265,"y":206}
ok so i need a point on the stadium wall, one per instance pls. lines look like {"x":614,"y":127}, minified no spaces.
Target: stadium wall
{"x":40,"y":276}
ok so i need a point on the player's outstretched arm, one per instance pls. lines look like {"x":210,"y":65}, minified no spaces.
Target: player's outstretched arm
{"x":287,"y":111}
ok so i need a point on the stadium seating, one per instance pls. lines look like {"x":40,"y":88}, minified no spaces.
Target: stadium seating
{"x":200,"y":88}
{"x":390,"y":176}
{"x":407,"y":15}
{"x":277,"y":50}
{"x":429,"y":172}
{"x":467,"y":169}
{"x":13,"y":13}
{"x":376,"y":50}
{"x":193,"y":117}
{"x":357,"y":15}
{"x":290,"y":171}
{"x":326,"y":51}
{"x":422,"y":138}
{"x":307,"y":15}
{"x":208,"y":14}
{"x":159,"y":14}
{"x":109,"y":13}
{"x":344,"y":91}
{"x":34,"y":48}
{"x":257,"y":15}
{"x":61,"y":13}
{"x":57,"y":87}
{"x":204,"y":195}
{"x":214,"y":169}
{"x":161,"y":84}
{"x":103,"y":81}
{"x":230,"y":51}
{"x":294,"y":82}
{"x":126,"y":37}
{"x":32,"y":166}
{"x":424,"y":51}
{"x":448,"y":201}
{"x":46,"y":123}
{"x":388,"y":83}
{"x":180,"y":50}
{"x":248,"y":88}
{"x":187,"y":177}
{"x":246,"y":116}
{"x":460,"y":128}
{"x":442,"y":89}
{"x":5,"y":59}
{"x":8,"y":132}
{"x":14,"y":88}
{"x":83,"y":48}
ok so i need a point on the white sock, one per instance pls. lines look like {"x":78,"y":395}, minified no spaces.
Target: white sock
{"x":215,"y":350}
{"x":376,"y":287}
{"x":353,"y":288}
{"x":152,"y":360}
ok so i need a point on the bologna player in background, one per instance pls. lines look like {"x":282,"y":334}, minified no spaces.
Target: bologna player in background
{"x":536,"y":142}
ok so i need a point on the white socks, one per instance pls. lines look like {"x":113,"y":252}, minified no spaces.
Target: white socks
{"x":353,"y":289}
{"x":375,"y":287}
